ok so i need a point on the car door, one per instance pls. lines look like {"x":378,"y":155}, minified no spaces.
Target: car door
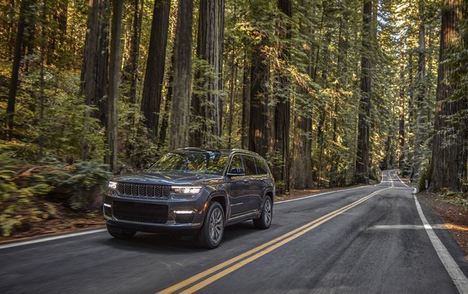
{"x":237,"y":185}
{"x":253,"y":190}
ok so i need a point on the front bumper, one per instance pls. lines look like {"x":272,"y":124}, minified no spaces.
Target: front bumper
{"x":137,"y":214}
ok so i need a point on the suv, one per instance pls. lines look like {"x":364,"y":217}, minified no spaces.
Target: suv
{"x":195,"y":190}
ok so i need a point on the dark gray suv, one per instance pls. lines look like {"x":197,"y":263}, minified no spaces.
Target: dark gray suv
{"x":194,"y":190}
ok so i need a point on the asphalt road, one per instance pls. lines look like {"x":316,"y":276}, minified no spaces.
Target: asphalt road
{"x":369,"y":239}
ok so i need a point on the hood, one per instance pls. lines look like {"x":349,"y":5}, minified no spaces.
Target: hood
{"x":168,"y":178}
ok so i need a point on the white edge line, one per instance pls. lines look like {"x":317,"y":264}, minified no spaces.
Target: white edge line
{"x":458,"y":277}
{"x":46,"y":239}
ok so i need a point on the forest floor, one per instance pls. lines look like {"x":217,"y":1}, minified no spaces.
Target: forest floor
{"x":454,"y":214}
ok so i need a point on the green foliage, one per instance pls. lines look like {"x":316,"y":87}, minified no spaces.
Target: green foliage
{"x":21,"y":191}
{"x":80,"y":185}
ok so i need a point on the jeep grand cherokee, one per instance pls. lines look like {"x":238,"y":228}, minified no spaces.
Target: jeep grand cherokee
{"x":192,"y":189}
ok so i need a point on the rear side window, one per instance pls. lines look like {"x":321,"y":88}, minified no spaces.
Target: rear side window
{"x":249,"y":163}
{"x":262,"y":168}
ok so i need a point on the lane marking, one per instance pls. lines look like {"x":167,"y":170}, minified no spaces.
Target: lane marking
{"x":52,"y":238}
{"x":198,"y":281}
{"x":458,"y":277}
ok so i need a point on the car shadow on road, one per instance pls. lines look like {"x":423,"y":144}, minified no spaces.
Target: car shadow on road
{"x":176,"y":243}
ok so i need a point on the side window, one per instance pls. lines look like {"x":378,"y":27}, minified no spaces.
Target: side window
{"x":262,"y":167}
{"x":250,"y":168}
{"x":236,"y":166}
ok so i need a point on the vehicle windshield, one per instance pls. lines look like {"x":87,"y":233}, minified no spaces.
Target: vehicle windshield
{"x":191,"y":162}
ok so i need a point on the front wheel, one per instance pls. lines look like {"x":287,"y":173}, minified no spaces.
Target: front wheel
{"x":211,"y":233}
{"x":264,"y":221}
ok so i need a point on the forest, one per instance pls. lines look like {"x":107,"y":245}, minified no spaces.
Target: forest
{"x":330,"y":92}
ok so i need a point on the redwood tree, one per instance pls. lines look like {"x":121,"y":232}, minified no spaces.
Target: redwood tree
{"x":362,"y":160}
{"x":207,"y":107}
{"x":448,"y":154}
{"x":114,"y":82}
{"x":180,"y":107}
{"x":154,"y":76}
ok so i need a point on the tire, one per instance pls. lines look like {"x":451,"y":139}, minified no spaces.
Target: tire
{"x":119,"y":233}
{"x":211,"y":234}
{"x":264,"y":221}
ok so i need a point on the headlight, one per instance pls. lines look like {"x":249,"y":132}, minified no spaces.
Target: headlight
{"x":112,"y":185}
{"x":186,"y":189}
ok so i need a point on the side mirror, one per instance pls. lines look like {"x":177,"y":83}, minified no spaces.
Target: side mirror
{"x":235,"y":172}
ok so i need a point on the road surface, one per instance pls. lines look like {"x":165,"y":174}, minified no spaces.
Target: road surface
{"x":371,"y":239}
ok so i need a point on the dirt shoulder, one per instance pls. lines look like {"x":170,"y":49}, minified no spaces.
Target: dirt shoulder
{"x":453,"y":214}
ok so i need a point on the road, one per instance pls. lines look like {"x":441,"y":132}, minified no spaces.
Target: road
{"x":369,"y":239}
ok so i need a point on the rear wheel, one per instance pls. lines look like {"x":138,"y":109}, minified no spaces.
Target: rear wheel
{"x":120,"y":233}
{"x":264,"y":221}
{"x":212,"y":232}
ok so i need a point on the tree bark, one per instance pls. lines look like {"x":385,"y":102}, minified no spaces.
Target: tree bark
{"x":154,"y":76}
{"x":25,"y":11}
{"x":258,"y":129}
{"x":180,"y":108}
{"x":207,"y":108}
{"x":130,"y":72}
{"x":94,"y":74}
{"x":114,"y":82}
{"x":283,"y":104}
{"x":448,"y":158}
{"x":245,"y":102}
{"x":420,"y":127}
{"x":362,"y":160}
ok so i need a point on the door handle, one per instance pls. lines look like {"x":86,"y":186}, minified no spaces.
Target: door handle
{"x":245,"y":181}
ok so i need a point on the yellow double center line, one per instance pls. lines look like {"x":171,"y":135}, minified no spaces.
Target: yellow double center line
{"x":215,"y":273}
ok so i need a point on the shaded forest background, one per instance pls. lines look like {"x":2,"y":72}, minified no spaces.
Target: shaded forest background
{"x":330,"y":92}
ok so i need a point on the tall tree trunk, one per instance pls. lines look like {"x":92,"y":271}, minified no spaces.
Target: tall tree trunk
{"x":448,"y":162}
{"x":283,"y":105}
{"x":245,"y":102}
{"x":401,"y":122}
{"x":362,"y":160}
{"x":180,"y":107}
{"x":130,"y":72}
{"x":208,"y":107}
{"x":232,"y":95}
{"x":258,"y":129}
{"x":114,"y":82}
{"x":25,"y":12}
{"x":154,"y":76}
{"x":301,"y":167}
{"x":58,"y":32}
{"x":94,"y":77}
{"x":420,"y":127}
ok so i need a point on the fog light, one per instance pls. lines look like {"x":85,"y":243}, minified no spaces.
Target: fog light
{"x":183,"y":211}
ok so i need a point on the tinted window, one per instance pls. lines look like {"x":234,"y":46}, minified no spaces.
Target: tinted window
{"x":236,"y":165}
{"x":249,"y":163}
{"x":200,"y":162}
{"x":262,"y":167}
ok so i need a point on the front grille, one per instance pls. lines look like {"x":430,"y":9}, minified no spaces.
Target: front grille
{"x":143,"y":190}
{"x":140,"y":212}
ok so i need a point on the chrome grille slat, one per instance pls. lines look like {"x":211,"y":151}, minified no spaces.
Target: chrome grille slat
{"x":143,"y":190}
